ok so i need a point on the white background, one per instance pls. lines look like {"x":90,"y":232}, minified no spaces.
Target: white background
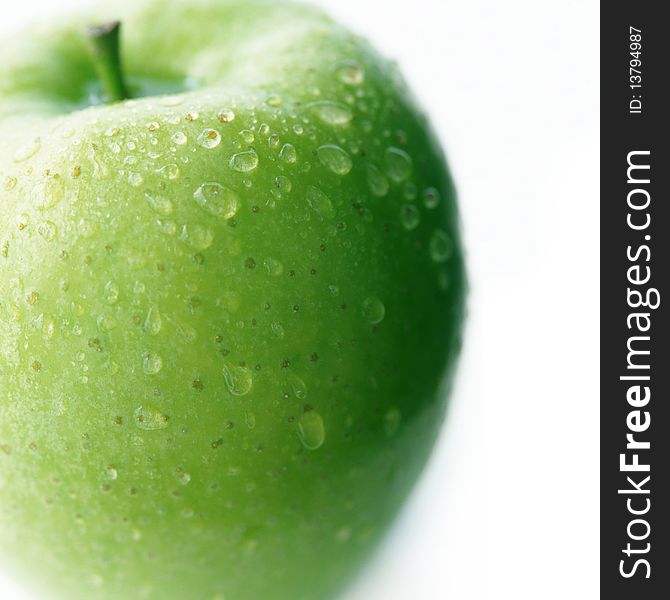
{"x":509,"y":505}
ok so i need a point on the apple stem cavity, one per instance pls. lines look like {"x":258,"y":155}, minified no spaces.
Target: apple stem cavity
{"x":103,"y":43}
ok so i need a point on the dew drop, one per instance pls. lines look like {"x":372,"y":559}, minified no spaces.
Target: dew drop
{"x":9,"y":183}
{"x":311,"y":430}
{"x":351,"y":73}
{"x":196,"y":236}
{"x":217,"y":200}
{"x":152,"y":363}
{"x":112,"y":473}
{"x":373,"y":310}
{"x":273,"y":267}
{"x":48,"y":230}
{"x":247,"y":136}
{"x":226,"y":115}
{"x":392,"y":420}
{"x":48,"y":327}
{"x":298,"y":387}
{"x":135,"y":179}
{"x":250,"y":420}
{"x":277,"y":330}
{"x":179,"y":138}
{"x":183,"y":477}
{"x":320,"y":203}
{"x":27,"y":150}
{"x":335,"y":159}
{"x":410,"y":191}
{"x":238,"y":379}
{"x":332,"y":113}
{"x":153,"y":126}
{"x":288,"y":154}
{"x":209,"y":138}
{"x":398,"y":164}
{"x":160,"y":204}
{"x":153,"y":322}
{"x":431,"y":197}
{"x":54,"y":189}
{"x":282,"y":184}
{"x":441,"y":246}
{"x":410,"y":216}
{"x":378,"y":184}
{"x":149,"y":419}
{"x":170,"y":171}
{"x":243,"y":162}
{"x":111,"y":292}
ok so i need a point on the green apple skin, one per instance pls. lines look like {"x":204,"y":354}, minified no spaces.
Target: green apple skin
{"x":218,"y":392}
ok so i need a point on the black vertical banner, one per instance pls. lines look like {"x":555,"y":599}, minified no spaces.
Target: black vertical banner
{"x":635,"y":301}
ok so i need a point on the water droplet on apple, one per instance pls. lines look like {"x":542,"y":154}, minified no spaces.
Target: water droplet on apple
{"x":250,"y":420}
{"x":332,"y":113}
{"x":48,"y":327}
{"x":179,"y":138}
{"x":410,"y":192}
{"x":311,"y":430}
{"x":277,"y":330}
{"x":247,"y":136}
{"x":378,"y":184}
{"x":153,"y":126}
{"x":111,"y":292}
{"x":196,"y":236}
{"x":217,"y":200}
{"x":392,"y":420}
{"x":243,"y":162}
{"x":398,"y":164}
{"x":48,"y":230}
{"x":298,"y":387}
{"x":275,"y":100}
{"x":9,"y":183}
{"x":410,"y":216}
{"x":153,"y":322}
{"x":320,"y":203}
{"x":106,"y":322}
{"x":170,"y":171}
{"x":152,"y":363}
{"x":112,"y":473}
{"x":273,"y":267}
{"x":135,"y":179}
{"x":288,"y":154}
{"x":209,"y":138}
{"x":238,"y":379}
{"x":27,"y":150}
{"x":54,"y":189}
{"x":150,"y":419}
{"x":373,"y":310}
{"x":441,"y":246}
{"x":431,"y":197}
{"x":168,"y":227}
{"x":335,"y":159}
{"x":226,"y":115}
{"x":351,"y":73}
{"x":163,"y":206}
{"x":183,"y":477}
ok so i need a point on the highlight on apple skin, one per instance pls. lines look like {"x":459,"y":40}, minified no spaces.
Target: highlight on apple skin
{"x":231,"y":301}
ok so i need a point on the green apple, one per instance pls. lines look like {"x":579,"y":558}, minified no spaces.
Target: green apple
{"x":230,"y":306}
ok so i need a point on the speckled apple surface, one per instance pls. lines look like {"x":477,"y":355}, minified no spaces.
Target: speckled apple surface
{"x":229,"y":312}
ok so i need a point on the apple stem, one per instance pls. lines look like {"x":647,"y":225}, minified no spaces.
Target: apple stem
{"x":103,"y":43}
